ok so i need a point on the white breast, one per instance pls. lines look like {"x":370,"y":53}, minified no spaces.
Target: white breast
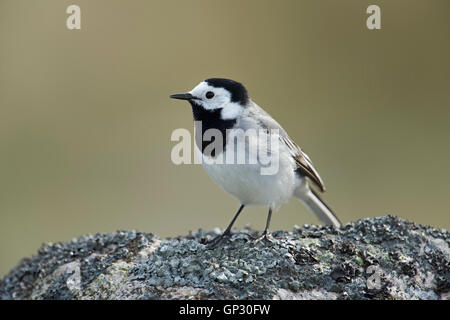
{"x":249,"y":186}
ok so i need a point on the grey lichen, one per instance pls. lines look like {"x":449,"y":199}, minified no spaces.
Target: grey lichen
{"x":374,"y":258}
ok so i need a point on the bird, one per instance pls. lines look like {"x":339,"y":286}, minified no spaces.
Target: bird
{"x":224,"y":106}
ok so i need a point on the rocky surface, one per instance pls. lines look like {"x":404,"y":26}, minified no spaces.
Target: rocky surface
{"x":374,"y":258}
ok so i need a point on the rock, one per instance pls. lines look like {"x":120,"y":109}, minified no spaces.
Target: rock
{"x":373,"y":258}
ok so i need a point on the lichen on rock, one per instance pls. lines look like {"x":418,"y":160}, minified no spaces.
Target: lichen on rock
{"x":373,"y":258}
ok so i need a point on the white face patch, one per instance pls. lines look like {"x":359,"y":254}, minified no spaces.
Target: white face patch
{"x":221,"y":100}
{"x":231,"y":111}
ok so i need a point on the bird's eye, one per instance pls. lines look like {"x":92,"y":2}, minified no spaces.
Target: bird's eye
{"x":209,"y":94}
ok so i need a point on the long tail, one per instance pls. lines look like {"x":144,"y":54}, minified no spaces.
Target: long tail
{"x":313,"y":201}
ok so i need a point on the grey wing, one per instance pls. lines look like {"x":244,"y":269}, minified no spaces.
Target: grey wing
{"x":305,"y":165}
{"x":257,"y":117}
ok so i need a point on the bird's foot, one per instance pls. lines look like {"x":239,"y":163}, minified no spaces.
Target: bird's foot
{"x":214,"y":242}
{"x":266,"y":237}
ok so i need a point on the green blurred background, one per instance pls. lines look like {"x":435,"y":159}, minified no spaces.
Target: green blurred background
{"x":85,"y":118}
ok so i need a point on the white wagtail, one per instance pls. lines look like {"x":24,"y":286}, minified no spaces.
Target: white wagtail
{"x":224,"y":105}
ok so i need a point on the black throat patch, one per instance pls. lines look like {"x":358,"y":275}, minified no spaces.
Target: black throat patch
{"x":210,"y":119}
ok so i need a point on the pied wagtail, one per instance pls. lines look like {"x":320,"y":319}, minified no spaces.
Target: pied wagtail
{"x":224,"y":105}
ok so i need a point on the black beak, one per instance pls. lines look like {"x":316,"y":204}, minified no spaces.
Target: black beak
{"x":182,"y":96}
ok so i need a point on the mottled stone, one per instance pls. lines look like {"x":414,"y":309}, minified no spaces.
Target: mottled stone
{"x":373,"y":258}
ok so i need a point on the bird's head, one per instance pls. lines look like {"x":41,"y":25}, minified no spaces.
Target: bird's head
{"x":216,"y":94}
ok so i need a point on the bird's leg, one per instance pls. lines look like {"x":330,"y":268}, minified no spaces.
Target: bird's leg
{"x":266,"y":230}
{"x":265,"y":234}
{"x":227,"y":231}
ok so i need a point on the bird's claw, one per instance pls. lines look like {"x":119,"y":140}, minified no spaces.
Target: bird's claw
{"x":266,"y":237}
{"x":214,"y":242}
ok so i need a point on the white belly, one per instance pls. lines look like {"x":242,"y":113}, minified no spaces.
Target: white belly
{"x":250,"y":187}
